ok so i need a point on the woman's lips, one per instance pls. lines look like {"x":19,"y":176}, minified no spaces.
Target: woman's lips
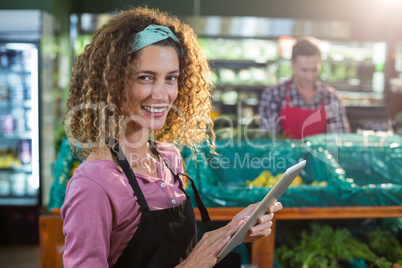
{"x":155,"y":111}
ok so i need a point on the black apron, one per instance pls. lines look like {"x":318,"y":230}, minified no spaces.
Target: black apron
{"x":164,"y":237}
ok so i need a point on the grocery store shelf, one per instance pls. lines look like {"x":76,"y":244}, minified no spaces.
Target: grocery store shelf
{"x":18,"y":201}
{"x":310,"y":213}
{"x":240,"y":86}
{"x":15,"y":71}
{"x":20,"y":169}
{"x":13,"y":103}
{"x":18,"y":136}
{"x":237,"y":64}
{"x":367,"y":111}
{"x":251,"y":102}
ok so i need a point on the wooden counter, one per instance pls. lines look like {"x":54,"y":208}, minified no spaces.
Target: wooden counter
{"x":263,"y":250}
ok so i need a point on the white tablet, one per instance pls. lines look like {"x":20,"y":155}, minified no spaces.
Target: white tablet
{"x":269,"y":200}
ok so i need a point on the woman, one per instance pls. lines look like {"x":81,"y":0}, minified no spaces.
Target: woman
{"x":142,"y":75}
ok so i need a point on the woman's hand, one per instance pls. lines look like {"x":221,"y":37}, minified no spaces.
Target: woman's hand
{"x":263,"y":227}
{"x":205,"y":252}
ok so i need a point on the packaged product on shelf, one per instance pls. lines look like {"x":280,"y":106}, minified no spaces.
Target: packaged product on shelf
{"x":32,"y":185}
{"x":7,"y":124}
{"x":24,"y":152}
{"x":18,"y":184}
{"x":5,"y":187}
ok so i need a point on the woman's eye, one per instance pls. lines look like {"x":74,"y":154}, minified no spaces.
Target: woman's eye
{"x":172,"y":78}
{"x":144,"y":77}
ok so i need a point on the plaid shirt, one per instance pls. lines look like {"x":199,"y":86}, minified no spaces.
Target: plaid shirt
{"x":273,"y":100}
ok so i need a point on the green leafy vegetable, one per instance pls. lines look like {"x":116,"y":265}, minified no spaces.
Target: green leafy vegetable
{"x":384,"y":243}
{"x":325,"y":247}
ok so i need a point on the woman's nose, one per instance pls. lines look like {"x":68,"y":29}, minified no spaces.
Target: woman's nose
{"x":159,"y":91}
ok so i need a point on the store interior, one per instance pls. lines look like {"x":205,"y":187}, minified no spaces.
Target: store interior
{"x":248,"y":45}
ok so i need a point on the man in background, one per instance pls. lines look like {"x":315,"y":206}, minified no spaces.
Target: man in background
{"x":303,"y":106}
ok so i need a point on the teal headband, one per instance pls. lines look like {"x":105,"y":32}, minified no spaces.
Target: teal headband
{"x":152,"y":34}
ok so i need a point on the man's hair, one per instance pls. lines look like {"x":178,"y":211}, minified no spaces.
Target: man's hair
{"x":306,"y":46}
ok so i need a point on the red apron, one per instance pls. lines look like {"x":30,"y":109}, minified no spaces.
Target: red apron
{"x":298,"y":122}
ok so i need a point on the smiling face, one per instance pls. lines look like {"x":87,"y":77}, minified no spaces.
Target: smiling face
{"x":153,"y":86}
{"x":306,"y":70}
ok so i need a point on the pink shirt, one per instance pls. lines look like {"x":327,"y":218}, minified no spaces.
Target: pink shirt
{"x":101,"y":213}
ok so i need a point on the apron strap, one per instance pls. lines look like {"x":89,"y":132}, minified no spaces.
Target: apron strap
{"x":201,"y":207}
{"x":121,"y":159}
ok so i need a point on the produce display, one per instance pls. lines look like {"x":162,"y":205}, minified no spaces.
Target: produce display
{"x":267,"y":179}
{"x":80,"y":43}
{"x":258,"y":50}
{"x":325,"y":246}
{"x":9,"y":159}
{"x":253,"y":76}
{"x":339,"y":71}
{"x":246,"y":164}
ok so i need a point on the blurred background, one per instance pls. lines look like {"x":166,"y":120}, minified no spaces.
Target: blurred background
{"x":247,"y":42}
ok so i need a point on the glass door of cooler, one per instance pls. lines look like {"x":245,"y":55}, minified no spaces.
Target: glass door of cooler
{"x":19,"y":124}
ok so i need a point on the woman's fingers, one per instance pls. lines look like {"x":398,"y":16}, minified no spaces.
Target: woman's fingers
{"x":276,"y":207}
{"x":232,"y":227}
{"x":218,"y":239}
{"x":263,"y":228}
{"x":205,"y":252}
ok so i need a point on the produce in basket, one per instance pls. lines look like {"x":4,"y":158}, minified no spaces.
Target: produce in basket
{"x":267,"y":179}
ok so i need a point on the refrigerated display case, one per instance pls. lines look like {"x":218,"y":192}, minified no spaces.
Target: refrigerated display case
{"x":19,"y":136}
{"x":25,"y":129}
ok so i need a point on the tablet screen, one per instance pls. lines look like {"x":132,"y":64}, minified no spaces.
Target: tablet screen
{"x":269,"y":200}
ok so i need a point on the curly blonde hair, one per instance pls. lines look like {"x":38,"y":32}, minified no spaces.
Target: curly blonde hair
{"x":98,"y":88}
